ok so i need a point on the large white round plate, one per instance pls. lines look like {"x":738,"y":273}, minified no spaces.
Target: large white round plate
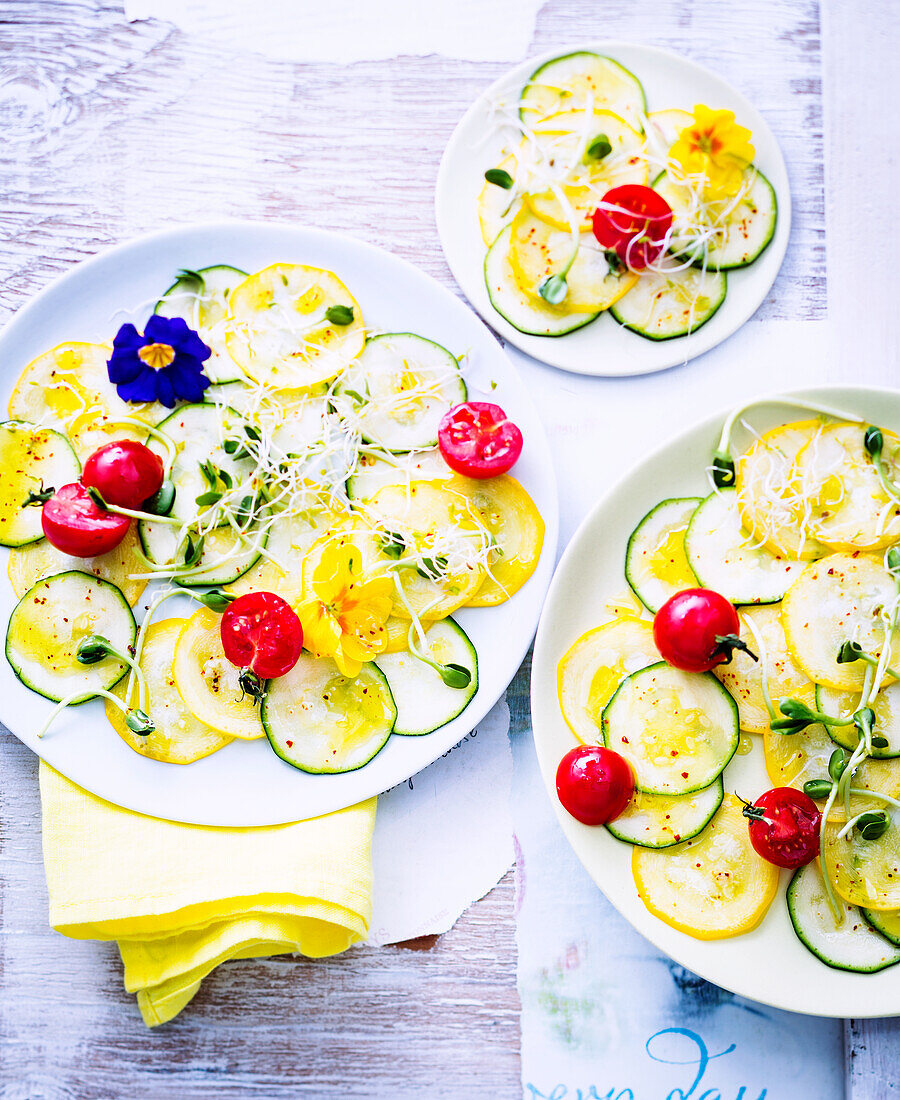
{"x":245,"y":783}
{"x":604,"y":347}
{"x":768,"y":964}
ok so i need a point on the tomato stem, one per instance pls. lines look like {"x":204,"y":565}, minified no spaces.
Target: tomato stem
{"x":726,"y":644}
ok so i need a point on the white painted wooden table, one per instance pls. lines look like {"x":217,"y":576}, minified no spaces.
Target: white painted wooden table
{"x":110,"y":129}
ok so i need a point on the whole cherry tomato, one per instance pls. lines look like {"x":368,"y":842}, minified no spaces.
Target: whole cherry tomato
{"x":784,"y":827}
{"x":637,"y":230}
{"x":477,"y":440}
{"x":594,"y":784}
{"x":75,"y":524}
{"x":697,"y":629}
{"x":125,"y":472}
{"x":261,"y":632}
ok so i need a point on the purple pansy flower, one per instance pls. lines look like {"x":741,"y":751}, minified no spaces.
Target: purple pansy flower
{"x":165,"y":364}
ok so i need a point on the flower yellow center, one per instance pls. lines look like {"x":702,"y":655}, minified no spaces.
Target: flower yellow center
{"x":157,"y":355}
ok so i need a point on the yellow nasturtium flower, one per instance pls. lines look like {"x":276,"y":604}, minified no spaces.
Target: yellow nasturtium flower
{"x":715,"y":146}
{"x":344,"y":615}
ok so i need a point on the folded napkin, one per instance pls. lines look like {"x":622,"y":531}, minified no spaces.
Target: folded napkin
{"x":180,"y":899}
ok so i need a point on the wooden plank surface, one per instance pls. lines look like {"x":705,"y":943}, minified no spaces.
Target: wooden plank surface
{"x":110,"y":130}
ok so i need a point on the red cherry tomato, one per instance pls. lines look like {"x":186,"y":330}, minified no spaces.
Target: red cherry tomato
{"x":637,"y":230}
{"x":594,"y":784}
{"x":260,"y":631}
{"x":125,"y":472}
{"x":76,"y":525}
{"x":784,"y":827}
{"x":697,"y":629}
{"x":477,"y":440}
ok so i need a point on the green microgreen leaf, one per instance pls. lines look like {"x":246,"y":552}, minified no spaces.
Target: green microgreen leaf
{"x":454,"y":675}
{"x":874,"y":824}
{"x":499,"y":177}
{"x":873,"y":440}
{"x":432,"y":569}
{"x":92,"y":649}
{"x":554,"y":289}
{"x":598,"y":148}
{"x":392,"y":544}
{"x":206,"y":500}
{"x":162,"y":501}
{"x":216,"y":600}
{"x":837,"y":762}
{"x":188,"y":275}
{"x":817,"y":788}
{"x":722,"y":470}
{"x":339,"y":315}
{"x":139,"y":722}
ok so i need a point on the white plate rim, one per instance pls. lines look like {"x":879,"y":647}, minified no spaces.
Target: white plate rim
{"x":172,"y":800}
{"x":661,"y":355}
{"x":815,"y":990}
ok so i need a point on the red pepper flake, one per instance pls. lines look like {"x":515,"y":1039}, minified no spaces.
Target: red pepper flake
{"x":290,"y":744}
{"x":684,"y":775}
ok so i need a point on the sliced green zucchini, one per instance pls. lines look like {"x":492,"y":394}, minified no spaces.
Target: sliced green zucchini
{"x":676,"y":729}
{"x":726,"y":558}
{"x":729,"y":239}
{"x":887,"y":717}
{"x":424,"y":702}
{"x":199,"y":432}
{"x":514,"y":305}
{"x":885,"y":921}
{"x":372,"y":474}
{"x":31,"y":458}
{"x":655,"y":563}
{"x":225,"y":556}
{"x":665,"y":305}
{"x":48,"y":624}
{"x":579,"y":81}
{"x":398,"y":389}
{"x":201,"y":299}
{"x":318,"y":720}
{"x":851,"y":945}
{"x":660,"y":820}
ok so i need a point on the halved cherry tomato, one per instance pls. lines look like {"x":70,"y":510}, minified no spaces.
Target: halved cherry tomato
{"x":784,"y":827}
{"x":261,"y":632}
{"x":75,"y":524}
{"x":594,"y":784}
{"x":125,"y":472}
{"x":697,"y":629}
{"x":637,"y":230}
{"x":477,"y":440}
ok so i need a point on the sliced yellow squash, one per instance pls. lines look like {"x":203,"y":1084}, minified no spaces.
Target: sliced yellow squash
{"x":848,"y":506}
{"x":865,"y":872}
{"x":663,"y":130}
{"x":179,"y":738}
{"x":506,"y":510}
{"x":770,"y":494}
{"x":31,"y":458}
{"x":397,"y":632}
{"x":497,"y":205}
{"x":834,"y":600}
{"x":279,"y":331}
{"x":711,"y":887}
{"x":794,"y":758}
{"x":592,"y":669}
{"x":743,"y":676}
{"x":28,"y":564}
{"x":209,"y":683}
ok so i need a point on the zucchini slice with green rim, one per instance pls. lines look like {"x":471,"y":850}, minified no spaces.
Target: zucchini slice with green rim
{"x":31,"y":457}
{"x":399,"y":386}
{"x":726,"y":558}
{"x":203,"y":303}
{"x":226,"y":555}
{"x":666,"y":305}
{"x":372,"y":474}
{"x":514,"y":305}
{"x":853,"y":945}
{"x":660,"y":820}
{"x":50,"y":621}
{"x":655,"y":563}
{"x":424,"y":702}
{"x":887,"y":717}
{"x":578,"y":79}
{"x":676,"y":729}
{"x":318,"y":720}
{"x":744,"y":234}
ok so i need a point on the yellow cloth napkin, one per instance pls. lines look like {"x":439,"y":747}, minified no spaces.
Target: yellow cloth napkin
{"x":180,"y":899}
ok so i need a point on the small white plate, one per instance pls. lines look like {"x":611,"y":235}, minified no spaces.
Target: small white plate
{"x":768,"y":964}
{"x":603,"y":347}
{"x":245,"y":783}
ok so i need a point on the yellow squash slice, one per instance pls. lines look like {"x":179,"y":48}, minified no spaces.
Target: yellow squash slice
{"x":743,"y":676}
{"x":794,"y":758}
{"x":31,"y":458}
{"x":507,"y":511}
{"x":848,"y":506}
{"x":538,"y":251}
{"x":280,"y":333}
{"x":770,"y":495}
{"x":497,"y":205}
{"x":209,"y":683}
{"x":838,"y":599}
{"x":179,"y":738}
{"x":865,"y":872}
{"x":28,"y":564}
{"x":663,"y":129}
{"x":592,"y":669}
{"x":711,"y":887}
